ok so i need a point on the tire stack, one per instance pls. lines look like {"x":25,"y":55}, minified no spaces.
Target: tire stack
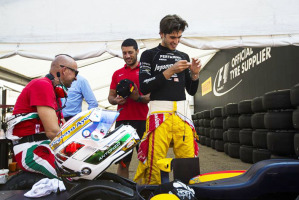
{"x":278,"y":119}
{"x":206,"y":120}
{"x":197,"y":121}
{"x":232,"y":122}
{"x":225,"y":129}
{"x":259,"y":134}
{"x":245,"y":134}
{"x":216,"y":133}
{"x":295,"y":117}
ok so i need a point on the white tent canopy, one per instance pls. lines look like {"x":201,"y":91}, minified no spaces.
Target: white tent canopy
{"x":32,"y":32}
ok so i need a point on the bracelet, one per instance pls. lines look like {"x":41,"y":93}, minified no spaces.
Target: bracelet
{"x":194,"y":75}
{"x":139,"y":99}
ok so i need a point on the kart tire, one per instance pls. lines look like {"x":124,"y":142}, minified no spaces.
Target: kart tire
{"x":257,"y":105}
{"x":225,"y":138}
{"x":213,"y":143}
{"x":259,"y":138}
{"x":245,"y":136}
{"x":194,"y":117}
{"x":207,"y":132}
{"x":281,"y":142}
{"x":260,"y":154}
{"x":199,"y":115}
{"x":244,"y":121}
{"x":22,"y":181}
{"x":280,"y":120}
{"x":295,"y":118}
{"x":103,"y":193}
{"x":219,"y":145}
{"x":295,"y":95}
{"x":244,"y":107}
{"x":224,"y":126}
{"x":200,"y":122}
{"x":234,"y":150}
{"x":218,"y":134}
{"x":208,"y":142}
{"x":231,"y":109}
{"x":201,"y":130}
{"x":296,"y":144}
{"x":195,"y":122}
{"x":212,"y":123}
{"x":202,"y":140}
{"x":232,"y":121}
{"x":246,"y":153}
{"x":212,"y":133}
{"x":257,"y":121}
{"x":217,"y":111}
{"x":226,"y":148}
{"x":206,"y":114}
{"x":233,"y":135}
{"x":218,"y":122}
{"x":207,"y":123}
{"x":278,"y":99}
{"x":223,"y":112}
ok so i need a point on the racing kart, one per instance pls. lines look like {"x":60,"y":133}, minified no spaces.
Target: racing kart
{"x":85,"y":148}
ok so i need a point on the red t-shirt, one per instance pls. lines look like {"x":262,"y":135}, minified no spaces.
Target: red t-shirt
{"x":39,"y":92}
{"x":132,"y":110}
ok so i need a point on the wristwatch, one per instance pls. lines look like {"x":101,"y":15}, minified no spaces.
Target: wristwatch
{"x":139,"y":99}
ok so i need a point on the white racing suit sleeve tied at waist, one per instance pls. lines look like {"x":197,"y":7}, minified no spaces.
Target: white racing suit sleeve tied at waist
{"x":14,"y":120}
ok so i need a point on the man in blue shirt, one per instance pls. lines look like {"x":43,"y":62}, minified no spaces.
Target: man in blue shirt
{"x":79,"y":90}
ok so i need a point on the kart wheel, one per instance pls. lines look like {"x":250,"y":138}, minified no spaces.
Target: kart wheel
{"x":245,"y":136}
{"x":244,"y":107}
{"x":22,"y":181}
{"x":245,"y":121}
{"x":296,"y":143}
{"x":259,"y":138}
{"x":260,"y":154}
{"x":225,"y":138}
{"x":281,"y":142}
{"x":217,"y":111}
{"x":218,"y":134}
{"x":233,"y":135}
{"x":295,"y":95}
{"x":279,"y":120}
{"x":226,"y":148}
{"x":225,"y":124}
{"x":295,"y":118}
{"x":231,"y":109}
{"x":246,"y":153}
{"x":218,"y":122}
{"x":212,"y":133}
{"x":206,"y":114}
{"x":257,"y":121}
{"x":278,"y":99}
{"x":234,"y":150}
{"x":219,"y":145}
{"x":232,"y":121}
{"x":257,"y":105}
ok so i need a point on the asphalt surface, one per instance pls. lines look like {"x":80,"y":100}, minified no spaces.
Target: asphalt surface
{"x":210,"y":160}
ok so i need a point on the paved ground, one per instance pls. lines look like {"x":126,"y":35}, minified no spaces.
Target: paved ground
{"x":210,"y":160}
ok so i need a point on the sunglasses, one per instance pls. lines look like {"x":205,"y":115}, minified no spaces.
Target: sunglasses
{"x":75,"y":71}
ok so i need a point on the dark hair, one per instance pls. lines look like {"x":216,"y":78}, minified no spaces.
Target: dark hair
{"x":130,"y":42}
{"x":171,"y":23}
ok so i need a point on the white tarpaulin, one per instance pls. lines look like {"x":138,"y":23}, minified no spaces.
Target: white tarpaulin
{"x":33,"y":31}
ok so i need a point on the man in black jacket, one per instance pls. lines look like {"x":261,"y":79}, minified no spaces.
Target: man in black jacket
{"x":165,"y":73}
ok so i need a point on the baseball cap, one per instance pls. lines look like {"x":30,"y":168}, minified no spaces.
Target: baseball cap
{"x":124,"y":88}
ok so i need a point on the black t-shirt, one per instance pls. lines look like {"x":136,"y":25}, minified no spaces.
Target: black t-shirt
{"x":152,"y":64}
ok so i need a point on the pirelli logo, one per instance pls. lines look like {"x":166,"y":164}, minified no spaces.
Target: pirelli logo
{"x":206,"y":86}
